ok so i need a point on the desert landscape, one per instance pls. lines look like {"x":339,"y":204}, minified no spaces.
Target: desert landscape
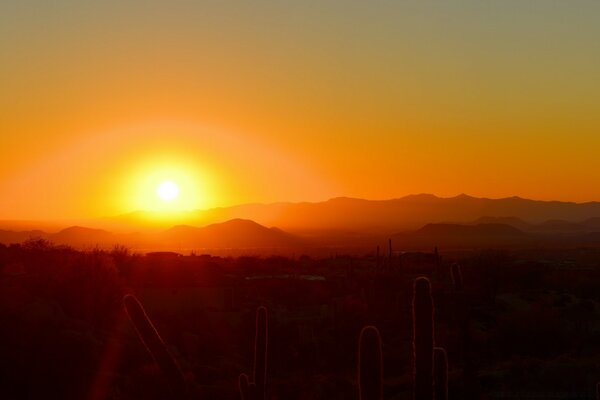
{"x":299,"y":200}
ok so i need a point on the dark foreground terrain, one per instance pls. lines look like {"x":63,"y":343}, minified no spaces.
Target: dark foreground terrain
{"x":523,"y":325}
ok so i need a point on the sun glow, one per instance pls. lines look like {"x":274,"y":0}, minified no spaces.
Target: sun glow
{"x":167,"y":184}
{"x":167,"y":190}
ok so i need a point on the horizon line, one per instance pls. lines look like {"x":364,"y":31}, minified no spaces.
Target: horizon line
{"x":179,"y":212}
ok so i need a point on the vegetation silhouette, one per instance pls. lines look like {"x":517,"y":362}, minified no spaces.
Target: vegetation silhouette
{"x":423,"y":339}
{"x":155,"y":345}
{"x":255,"y":389}
{"x":370,"y":365}
{"x":531,"y":324}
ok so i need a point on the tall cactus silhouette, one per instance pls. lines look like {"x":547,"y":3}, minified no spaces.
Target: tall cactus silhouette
{"x":155,"y":345}
{"x":255,"y":390}
{"x":430,"y":363}
{"x":462,"y":319}
{"x":456,"y":275}
{"x":370,"y":366}
{"x":440,"y":373}
{"x":423,"y":339}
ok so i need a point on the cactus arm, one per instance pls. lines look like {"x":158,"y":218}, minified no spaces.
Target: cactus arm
{"x":155,"y":345}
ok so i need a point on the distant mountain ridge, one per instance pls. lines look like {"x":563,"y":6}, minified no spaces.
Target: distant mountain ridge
{"x":351,"y":214}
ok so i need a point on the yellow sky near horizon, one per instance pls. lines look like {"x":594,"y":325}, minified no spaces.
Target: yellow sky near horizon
{"x":279,"y":101}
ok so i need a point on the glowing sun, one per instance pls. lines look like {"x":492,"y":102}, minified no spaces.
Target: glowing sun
{"x":167,"y":190}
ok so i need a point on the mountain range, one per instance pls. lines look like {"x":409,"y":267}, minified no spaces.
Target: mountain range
{"x":233,"y":234}
{"x":406,"y":213}
{"x":415,"y":221}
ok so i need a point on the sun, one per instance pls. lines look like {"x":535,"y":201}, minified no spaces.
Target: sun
{"x":167,"y":190}
{"x":166,"y":186}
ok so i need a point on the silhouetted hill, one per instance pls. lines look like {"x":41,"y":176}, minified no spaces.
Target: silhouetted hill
{"x":9,"y":236}
{"x":552,"y":226}
{"x":470,"y":230}
{"x":463,"y":236}
{"x":236,"y":233}
{"x":593,"y":224}
{"x":78,"y":236}
{"x":559,"y":226}
{"x":511,"y":221}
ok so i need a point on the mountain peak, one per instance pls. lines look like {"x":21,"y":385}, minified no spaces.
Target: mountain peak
{"x":76,"y":229}
{"x":420,"y":197}
{"x":463,"y":196}
{"x":234,"y":233}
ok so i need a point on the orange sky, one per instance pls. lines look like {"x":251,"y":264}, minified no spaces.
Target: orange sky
{"x":272,"y":101}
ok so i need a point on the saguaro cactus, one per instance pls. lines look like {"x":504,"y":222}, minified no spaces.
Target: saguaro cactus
{"x":456,"y":274}
{"x":440,"y":373}
{"x":155,"y":345}
{"x":423,"y":339}
{"x":370,"y":366}
{"x":255,"y":389}
{"x":462,"y":319}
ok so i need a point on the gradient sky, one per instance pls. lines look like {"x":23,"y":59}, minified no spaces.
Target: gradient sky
{"x":262,"y":101}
